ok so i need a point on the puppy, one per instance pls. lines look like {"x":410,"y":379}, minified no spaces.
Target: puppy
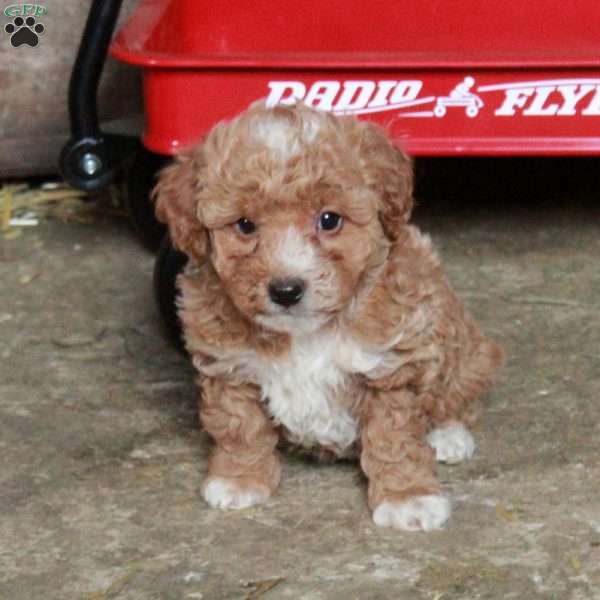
{"x":316,"y":314}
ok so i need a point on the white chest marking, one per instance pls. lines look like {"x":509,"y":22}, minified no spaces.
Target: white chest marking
{"x":304,"y":391}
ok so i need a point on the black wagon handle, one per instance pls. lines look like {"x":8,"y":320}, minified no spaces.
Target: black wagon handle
{"x":85,"y":76}
{"x":91,"y":159}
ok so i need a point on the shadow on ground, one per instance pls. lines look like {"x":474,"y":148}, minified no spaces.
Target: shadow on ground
{"x":101,"y":457}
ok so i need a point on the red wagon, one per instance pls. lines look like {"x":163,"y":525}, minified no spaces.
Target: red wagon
{"x":447,"y":78}
{"x":468,"y":77}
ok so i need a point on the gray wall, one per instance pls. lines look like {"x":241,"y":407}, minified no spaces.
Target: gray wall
{"x":33,"y":89}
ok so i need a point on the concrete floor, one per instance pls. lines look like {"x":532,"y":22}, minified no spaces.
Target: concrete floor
{"x":101,"y":457}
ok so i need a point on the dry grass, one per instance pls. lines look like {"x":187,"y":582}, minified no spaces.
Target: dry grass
{"x":23,"y":205}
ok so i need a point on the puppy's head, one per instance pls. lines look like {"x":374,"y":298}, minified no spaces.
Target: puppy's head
{"x":293,"y":207}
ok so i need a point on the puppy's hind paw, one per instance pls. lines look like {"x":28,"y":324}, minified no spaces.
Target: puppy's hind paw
{"x":452,"y":444}
{"x":220,"y":492}
{"x":420,"y":513}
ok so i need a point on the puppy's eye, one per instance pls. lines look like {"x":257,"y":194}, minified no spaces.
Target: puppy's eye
{"x":245,"y":226}
{"x":330,"y":221}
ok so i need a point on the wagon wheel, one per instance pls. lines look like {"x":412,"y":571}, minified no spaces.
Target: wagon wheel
{"x":169,"y":263}
{"x":141,"y":178}
{"x":439,"y":111}
{"x":472,"y":111}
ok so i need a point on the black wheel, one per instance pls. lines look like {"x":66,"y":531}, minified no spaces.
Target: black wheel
{"x":141,"y":179}
{"x":169,"y":263}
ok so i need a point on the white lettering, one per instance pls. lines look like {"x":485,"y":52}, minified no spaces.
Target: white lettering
{"x":543,"y":98}
{"x":285,"y":92}
{"x":514,"y":98}
{"x":322,"y":94}
{"x":383,"y":90}
{"x":537,"y":108}
{"x":406,"y":90}
{"x":572,"y":97}
{"x":593,"y":108}
{"x":355,"y":95}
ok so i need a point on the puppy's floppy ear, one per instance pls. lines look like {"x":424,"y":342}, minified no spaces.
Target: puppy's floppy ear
{"x":176,"y":197}
{"x":390,"y":173}
{"x":397,"y":192}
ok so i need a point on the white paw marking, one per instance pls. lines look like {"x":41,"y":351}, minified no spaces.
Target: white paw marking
{"x":452,"y":444}
{"x":421,"y":513}
{"x":221,"y":493}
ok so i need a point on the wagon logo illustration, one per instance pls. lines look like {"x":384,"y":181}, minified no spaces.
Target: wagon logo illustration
{"x":459,"y":96}
{"x":568,"y":97}
{"x":362,"y":97}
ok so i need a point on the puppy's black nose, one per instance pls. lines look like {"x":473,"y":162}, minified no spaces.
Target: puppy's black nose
{"x":286,"y":292}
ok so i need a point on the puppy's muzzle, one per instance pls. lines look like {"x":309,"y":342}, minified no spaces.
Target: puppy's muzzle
{"x":286,"y":292}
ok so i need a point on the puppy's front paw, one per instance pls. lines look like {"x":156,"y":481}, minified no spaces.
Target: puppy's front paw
{"x":224,"y":493}
{"x":452,"y":444}
{"x":420,"y":513}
